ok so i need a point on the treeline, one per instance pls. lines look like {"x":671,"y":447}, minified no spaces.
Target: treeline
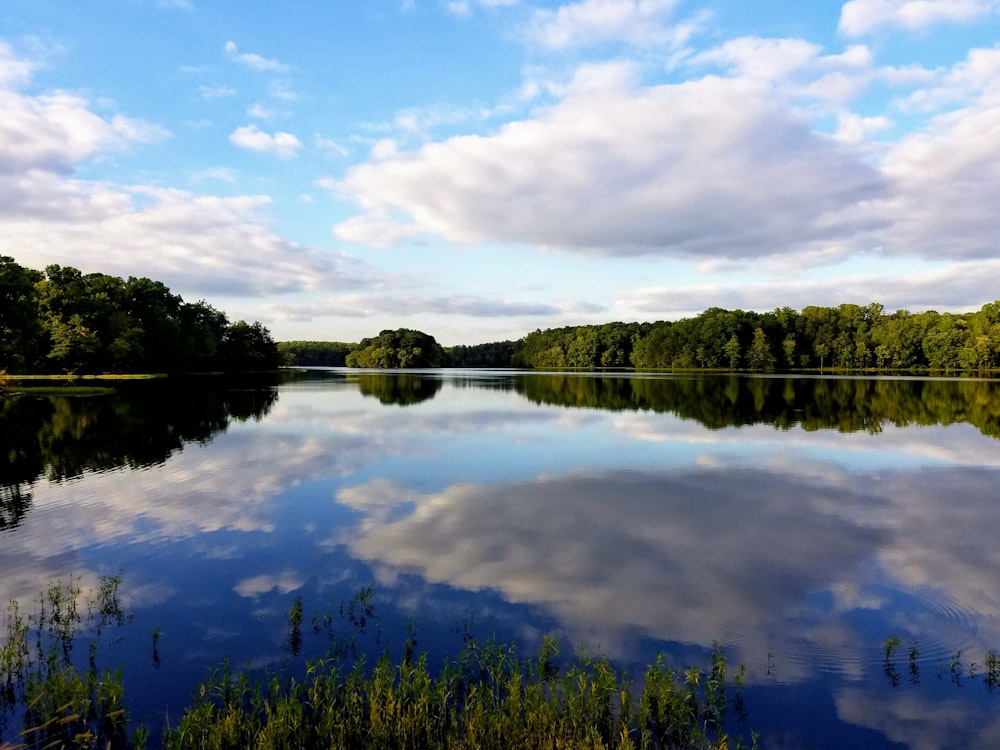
{"x":63,"y":321}
{"x":402,"y":347}
{"x":846,"y":337}
{"x":315,"y":353}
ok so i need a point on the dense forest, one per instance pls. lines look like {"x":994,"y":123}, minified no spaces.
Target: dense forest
{"x":846,"y":338}
{"x":63,"y":321}
{"x":315,"y":353}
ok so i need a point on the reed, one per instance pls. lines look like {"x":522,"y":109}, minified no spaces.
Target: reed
{"x":63,"y":705}
{"x":487,"y":696}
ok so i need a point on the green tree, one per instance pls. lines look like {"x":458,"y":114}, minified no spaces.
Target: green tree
{"x":21,"y":334}
{"x":400,"y":348}
{"x":732,"y":349}
{"x":759,"y":357}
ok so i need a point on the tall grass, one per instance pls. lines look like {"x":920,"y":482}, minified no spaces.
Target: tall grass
{"x":486,"y":697}
{"x":63,"y":705}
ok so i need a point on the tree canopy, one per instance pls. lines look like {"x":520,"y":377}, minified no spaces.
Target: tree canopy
{"x":847,"y":337}
{"x":403,"y":347}
{"x":61,"y":320}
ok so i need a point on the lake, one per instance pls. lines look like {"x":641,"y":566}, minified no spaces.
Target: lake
{"x":799,"y":524}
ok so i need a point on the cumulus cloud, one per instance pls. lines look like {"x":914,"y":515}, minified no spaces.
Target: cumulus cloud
{"x":53,"y":132}
{"x":197,"y":244}
{"x":711,"y":167}
{"x":720,"y":168}
{"x":761,"y":58}
{"x":957,"y":287}
{"x":859,"y":17}
{"x":637,"y":22}
{"x":947,"y":176}
{"x":966,"y":81}
{"x":253,"y":138}
{"x":254,"y":61}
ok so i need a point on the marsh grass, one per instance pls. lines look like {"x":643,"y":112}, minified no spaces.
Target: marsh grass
{"x":62,"y":705}
{"x":488,"y":696}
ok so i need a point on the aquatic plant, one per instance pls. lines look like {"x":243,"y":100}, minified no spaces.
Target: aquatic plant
{"x":63,"y":705}
{"x":488,"y":696}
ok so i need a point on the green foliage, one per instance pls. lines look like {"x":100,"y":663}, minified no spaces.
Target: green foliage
{"x":488,"y":697}
{"x":400,"y":389}
{"x":717,"y":401}
{"x":401,"y":348}
{"x":64,"y":706}
{"x":314,"y":353}
{"x":846,"y":337}
{"x":65,"y":321}
{"x":579,"y":347}
{"x":62,"y":436}
{"x":494,"y":354}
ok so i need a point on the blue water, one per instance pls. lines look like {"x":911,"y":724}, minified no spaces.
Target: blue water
{"x":488,"y":508}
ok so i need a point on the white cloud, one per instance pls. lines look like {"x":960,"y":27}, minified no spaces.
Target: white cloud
{"x":958,"y":287}
{"x":464,"y":7}
{"x":254,"y":61}
{"x":14,"y":71}
{"x":855,"y":129}
{"x":251,"y":137}
{"x":637,"y":22}
{"x":709,"y":168}
{"x":330,"y":145}
{"x":224,"y":174}
{"x":760,"y":58}
{"x":947,"y":185}
{"x":197,"y":244}
{"x":368,"y":304}
{"x":216,"y":91}
{"x":259,"y":112}
{"x":968,"y":80}
{"x":55,"y":131}
{"x":797,"y":68}
{"x":858,"y":17}
{"x":282,"y":91}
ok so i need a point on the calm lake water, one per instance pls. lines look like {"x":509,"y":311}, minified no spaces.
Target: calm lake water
{"x":797,"y":522}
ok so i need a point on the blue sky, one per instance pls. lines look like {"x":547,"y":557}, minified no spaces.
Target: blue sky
{"x":481,"y":168}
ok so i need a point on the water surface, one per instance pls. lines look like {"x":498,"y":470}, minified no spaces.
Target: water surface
{"x":798,"y":522}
